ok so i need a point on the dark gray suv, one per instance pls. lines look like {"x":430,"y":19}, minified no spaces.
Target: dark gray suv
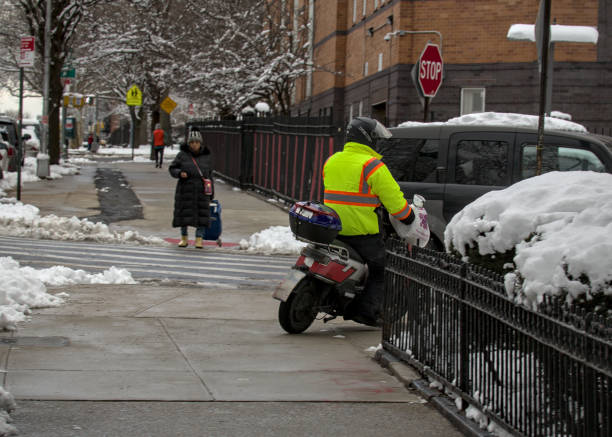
{"x":452,"y":165}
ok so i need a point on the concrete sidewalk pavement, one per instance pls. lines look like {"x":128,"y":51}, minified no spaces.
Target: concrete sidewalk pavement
{"x":193,"y":360}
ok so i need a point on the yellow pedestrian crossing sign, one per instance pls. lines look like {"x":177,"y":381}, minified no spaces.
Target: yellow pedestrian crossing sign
{"x":134,"y":96}
{"x":168,"y":105}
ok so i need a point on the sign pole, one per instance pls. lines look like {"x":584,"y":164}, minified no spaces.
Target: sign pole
{"x":19,"y":139}
{"x":132,"y":129}
{"x":545,"y":31}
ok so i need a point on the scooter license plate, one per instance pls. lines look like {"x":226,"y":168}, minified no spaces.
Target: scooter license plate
{"x":286,"y":286}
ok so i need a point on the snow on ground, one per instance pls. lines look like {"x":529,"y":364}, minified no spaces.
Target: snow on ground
{"x":28,"y":174}
{"x":22,"y":220}
{"x":274,"y":240}
{"x":505,"y":119}
{"x":25,"y":288}
{"x":569,"y":215}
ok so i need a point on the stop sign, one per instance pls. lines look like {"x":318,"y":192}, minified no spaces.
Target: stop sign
{"x":430,"y":70}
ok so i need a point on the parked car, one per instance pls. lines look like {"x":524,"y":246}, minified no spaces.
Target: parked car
{"x":452,"y":165}
{"x":9,"y":134}
{"x":3,"y":158}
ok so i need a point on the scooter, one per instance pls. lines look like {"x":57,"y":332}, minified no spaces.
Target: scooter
{"x":329,"y":273}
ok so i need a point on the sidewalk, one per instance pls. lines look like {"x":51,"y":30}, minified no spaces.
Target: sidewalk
{"x":193,"y":360}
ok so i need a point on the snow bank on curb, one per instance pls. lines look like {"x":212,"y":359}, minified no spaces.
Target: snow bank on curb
{"x":28,"y":174}
{"x":274,"y":240}
{"x":25,"y":288}
{"x":7,"y":405}
{"x":22,"y":220}
{"x":560,"y":225}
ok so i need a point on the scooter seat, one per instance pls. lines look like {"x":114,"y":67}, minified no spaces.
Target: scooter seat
{"x":352,"y":252}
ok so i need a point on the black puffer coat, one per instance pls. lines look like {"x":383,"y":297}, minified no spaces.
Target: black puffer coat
{"x":191,"y":205}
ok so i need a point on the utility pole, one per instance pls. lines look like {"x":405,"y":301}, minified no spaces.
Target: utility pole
{"x":43,"y":167}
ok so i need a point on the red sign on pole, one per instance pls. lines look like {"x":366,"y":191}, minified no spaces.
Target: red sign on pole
{"x":431,"y":67}
{"x":26,"y":55}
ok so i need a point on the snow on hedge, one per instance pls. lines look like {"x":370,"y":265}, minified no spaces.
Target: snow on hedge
{"x":560,"y":225}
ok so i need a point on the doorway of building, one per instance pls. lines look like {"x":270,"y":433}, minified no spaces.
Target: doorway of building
{"x":379,"y":112}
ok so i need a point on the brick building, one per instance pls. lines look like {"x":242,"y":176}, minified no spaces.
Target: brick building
{"x":360,"y":69}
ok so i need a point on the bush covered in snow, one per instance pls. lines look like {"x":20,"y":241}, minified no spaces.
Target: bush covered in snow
{"x":549,"y":235}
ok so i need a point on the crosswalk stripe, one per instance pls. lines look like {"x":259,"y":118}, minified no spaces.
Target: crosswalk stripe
{"x":161,"y":263}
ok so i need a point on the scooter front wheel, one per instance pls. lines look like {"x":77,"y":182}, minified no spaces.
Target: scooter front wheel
{"x":298,"y":312}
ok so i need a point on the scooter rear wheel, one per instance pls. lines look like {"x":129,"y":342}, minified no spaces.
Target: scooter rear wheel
{"x":298,"y":312}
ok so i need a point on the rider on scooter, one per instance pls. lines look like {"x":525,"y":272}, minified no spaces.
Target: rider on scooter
{"x":356,"y":183}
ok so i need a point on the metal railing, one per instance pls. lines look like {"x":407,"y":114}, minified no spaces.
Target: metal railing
{"x":279,"y":156}
{"x":543,"y":373}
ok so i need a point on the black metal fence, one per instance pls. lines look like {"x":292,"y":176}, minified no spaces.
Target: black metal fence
{"x":544,"y":373}
{"x":279,"y":156}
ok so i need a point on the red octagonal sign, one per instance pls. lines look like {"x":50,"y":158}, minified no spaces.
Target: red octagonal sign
{"x":430,"y":70}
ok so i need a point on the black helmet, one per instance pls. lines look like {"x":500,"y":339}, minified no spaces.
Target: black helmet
{"x":364,"y":130}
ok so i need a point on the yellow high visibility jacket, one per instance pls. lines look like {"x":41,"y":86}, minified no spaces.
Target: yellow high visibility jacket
{"x":356,"y":182}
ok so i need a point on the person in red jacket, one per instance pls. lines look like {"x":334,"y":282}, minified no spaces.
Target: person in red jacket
{"x":158,"y":143}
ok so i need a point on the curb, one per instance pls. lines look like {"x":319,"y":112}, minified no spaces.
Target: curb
{"x":413,"y":380}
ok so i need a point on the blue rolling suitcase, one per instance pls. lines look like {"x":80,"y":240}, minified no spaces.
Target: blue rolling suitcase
{"x":214,"y":231}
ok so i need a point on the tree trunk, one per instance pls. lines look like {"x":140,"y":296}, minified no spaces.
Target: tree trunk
{"x":56,"y":91}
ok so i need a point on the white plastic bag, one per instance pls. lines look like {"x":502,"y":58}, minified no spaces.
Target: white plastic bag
{"x":416,"y":233}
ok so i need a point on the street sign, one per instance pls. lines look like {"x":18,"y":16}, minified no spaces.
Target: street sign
{"x":134,"y":96}
{"x":168,"y":105}
{"x":69,"y":73}
{"x":26,"y":54}
{"x":431,"y":68}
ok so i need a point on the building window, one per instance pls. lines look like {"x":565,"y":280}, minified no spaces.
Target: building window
{"x":350,"y":111}
{"x":365,"y":69}
{"x":375,"y":4}
{"x":472,"y":100}
{"x":380,"y":61}
{"x":354,"y":11}
{"x":365,"y":4}
{"x":360,"y":108}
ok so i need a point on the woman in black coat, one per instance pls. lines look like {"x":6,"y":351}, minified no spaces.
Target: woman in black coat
{"x":191,"y":205}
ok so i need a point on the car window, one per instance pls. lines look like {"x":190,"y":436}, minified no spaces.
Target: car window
{"x":481,"y":162}
{"x":557,"y":158}
{"x":411,"y":159}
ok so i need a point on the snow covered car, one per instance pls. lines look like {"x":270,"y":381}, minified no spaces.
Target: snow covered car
{"x":31,"y":143}
{"x":453,"y":163}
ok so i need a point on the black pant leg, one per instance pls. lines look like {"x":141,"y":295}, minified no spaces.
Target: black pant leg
{"x":372,"y":250}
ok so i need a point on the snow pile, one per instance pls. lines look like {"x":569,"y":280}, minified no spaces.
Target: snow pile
{"x":18,"y":219}
{"x":506,"y":120}
{"x":560,"y":225}
{"x":7,"y":405}
{"x":274,"y":240}
{"x":24,"y":288}
{"x":28,"y":174}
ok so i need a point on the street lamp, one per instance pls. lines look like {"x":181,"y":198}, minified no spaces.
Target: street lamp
{"x":389,"y":35}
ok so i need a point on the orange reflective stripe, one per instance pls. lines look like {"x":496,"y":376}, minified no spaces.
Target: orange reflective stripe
{"x":370,"y":166}
{"x":348,"y":198}
{"x":403,"y":213}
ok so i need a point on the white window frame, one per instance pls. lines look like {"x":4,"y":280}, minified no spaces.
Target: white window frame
{"x":375,"y":4}
{"x":380,"y":61}
{"x":360,"y":108}
{"x":467,"y":97}
{"x":350,"y":112}
{"x":365,"y":5}
{"x":365,"y":69}
{"x":354,"y":11}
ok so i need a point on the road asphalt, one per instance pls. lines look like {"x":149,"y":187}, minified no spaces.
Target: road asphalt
{"x":180,"y":359}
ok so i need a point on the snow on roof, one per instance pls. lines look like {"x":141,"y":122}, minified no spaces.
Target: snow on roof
{"x":568,"y":216}
{"x":505,"y":119}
